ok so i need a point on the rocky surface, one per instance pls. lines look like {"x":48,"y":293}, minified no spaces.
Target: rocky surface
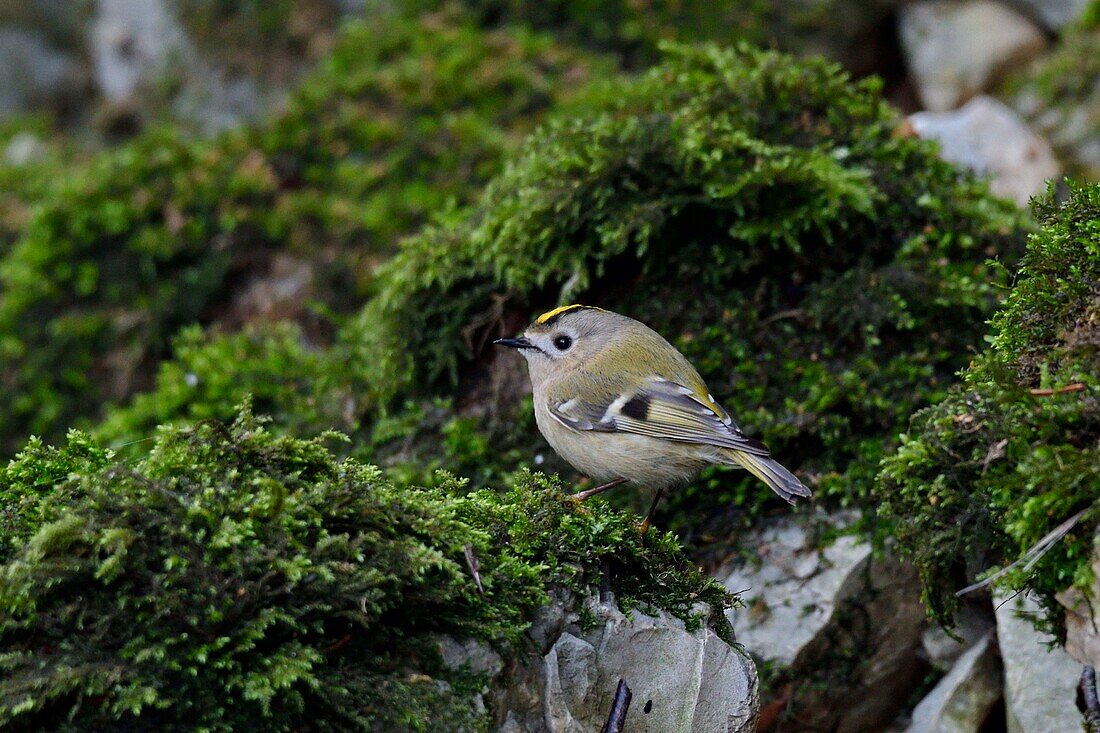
{"x":973,"y":622}
{"x":954,"y":50}
{"x":990,"y":139}
{"x":34,"y":74}
{"x":681,"y":680}
{"x":1083,"y":618}
{"x":962,"y":701}
{"x":1053,"y":14}
{"x":806,"y":608}
{"x":1039,"y":681}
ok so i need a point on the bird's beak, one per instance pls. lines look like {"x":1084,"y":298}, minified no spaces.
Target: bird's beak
{"x":520,"y":343}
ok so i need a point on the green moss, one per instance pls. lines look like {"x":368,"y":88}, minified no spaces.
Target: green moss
{"x":984,"y":475}
{"x":824,"y":272}
{"x":405,"y":117}
{"x":236,"y":580}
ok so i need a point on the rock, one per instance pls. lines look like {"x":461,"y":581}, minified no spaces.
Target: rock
{"x":955,"y":49}
{"x":964,"y":698}
{"x":972,"y":623}
{"x":139,"y":45}
{"x":990,"y":139}
{"x":34,"y":74}
{"x":681,"y":680}
{"x":133,"y":42}
{"x":1039,"y":682}
{"x":1083,"y":618}
{"x":793,"y":594}
{"x":806,"y":607}
{"x":25,"y":148}
{"x":1053,"y":14}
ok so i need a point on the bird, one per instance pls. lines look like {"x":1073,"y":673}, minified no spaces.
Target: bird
{"x":621,"y":404}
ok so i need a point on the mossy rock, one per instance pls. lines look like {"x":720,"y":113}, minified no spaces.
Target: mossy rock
{"x":404,"y":118}
{"x":983,"y":476}
{"x":825,"y":271}
{"x":232,"y":579}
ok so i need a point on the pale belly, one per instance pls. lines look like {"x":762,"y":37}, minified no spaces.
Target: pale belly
{"x":642,"y":460}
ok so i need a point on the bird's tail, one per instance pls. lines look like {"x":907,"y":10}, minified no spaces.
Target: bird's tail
{"x":768,"y":470}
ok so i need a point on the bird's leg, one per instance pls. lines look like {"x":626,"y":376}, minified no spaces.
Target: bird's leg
{"x":588,"y":493}
{"x":652,"y":509}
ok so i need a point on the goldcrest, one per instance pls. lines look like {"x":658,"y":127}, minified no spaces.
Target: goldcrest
{"x":620,"y":403}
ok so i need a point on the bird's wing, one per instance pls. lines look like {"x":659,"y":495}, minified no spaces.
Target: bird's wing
{"x":659,"y":409}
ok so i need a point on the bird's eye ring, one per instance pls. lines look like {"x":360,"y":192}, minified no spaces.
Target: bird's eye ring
{"x":561,"y":343}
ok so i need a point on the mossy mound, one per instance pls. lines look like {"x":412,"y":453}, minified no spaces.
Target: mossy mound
{"x":1012,"y":452}
{"x":235,"y":580}
{"x":825,"y":272}
{"x":404,"y":118}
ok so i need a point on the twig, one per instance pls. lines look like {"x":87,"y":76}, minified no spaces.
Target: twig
{"x":1087,"y":701}
{"x":474,"y":566}
{"x":1075,"y":387}
{"x":617,"y":718}
{"x":1033,"y":555}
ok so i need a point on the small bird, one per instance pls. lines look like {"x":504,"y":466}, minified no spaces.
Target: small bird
{"x":621,"y":404}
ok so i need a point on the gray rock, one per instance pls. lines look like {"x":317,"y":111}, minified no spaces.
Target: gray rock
{"x":1039,"y":681}
{"x":794,"y":592}
{"x":33,"y":74}
{"x":134,"y":41}
{"x":139,"y":45}
{"x":681,"y":680}
{"x":805,"y":606}
{"x":963,"y":699}
{"x":955,"y":50}
{"x":1082,"y":617}
{"x":972,"y":623}
{"x":25,"y":148}
{"x":990,"y":139}
{"x":1054,"y":14}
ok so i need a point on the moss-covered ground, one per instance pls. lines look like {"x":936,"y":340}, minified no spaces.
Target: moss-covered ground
{"x":983,"y":476}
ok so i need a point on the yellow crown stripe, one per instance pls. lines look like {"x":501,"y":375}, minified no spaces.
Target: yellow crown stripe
{"x":549,"y":315}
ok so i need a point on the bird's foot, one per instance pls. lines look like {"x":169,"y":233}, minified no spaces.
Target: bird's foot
{"x":588,"y":493}
{"x":652,"y":508}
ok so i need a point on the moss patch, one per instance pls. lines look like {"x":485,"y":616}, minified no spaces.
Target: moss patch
{"x":404,"y":118}
{"x":233,"y":580}
{"x":824,"y":271}
{"x":1012,"y":452}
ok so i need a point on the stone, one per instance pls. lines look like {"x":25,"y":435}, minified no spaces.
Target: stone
{"x":964,"y":698}
{"x":680,"y":680}
{"x":972,"y":623}
{"x":132,"y":42}
{"x":1053,"y":14}
{"x":1082,"y":617}
{"x":990,"y":139}
{"x":25,"y":148}
{"x":956,"y":49}
{"x":806,"y":605}
{"x":1040,"y":682}
{"x":791,"y":596}
{"x":34,"y":74}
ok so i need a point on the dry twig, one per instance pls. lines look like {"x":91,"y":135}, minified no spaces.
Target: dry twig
{"x":617,"y":718}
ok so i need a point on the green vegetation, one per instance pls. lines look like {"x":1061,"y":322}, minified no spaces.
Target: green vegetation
{"x":236,"y":580}
{"x":824,"y":271}
{"x":404,"y":118}
{"x":1013,"y":451}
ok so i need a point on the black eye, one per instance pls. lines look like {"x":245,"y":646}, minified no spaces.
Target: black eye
{"x":561,"y":343}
